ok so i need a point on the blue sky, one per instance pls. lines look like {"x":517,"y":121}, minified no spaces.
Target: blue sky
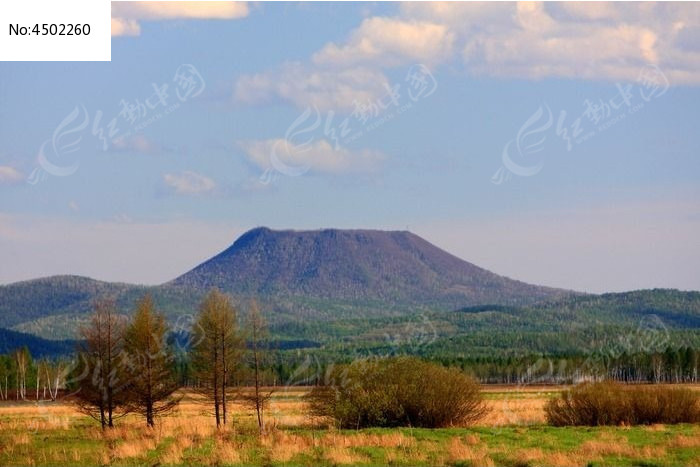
{"x":449,"y":121}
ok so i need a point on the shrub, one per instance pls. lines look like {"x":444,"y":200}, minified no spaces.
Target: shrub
{"x":399,"y":391}
{"x":611,"y":403}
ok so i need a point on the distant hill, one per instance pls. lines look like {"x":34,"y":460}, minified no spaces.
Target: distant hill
{"x":395,"y":268}
{"x":343,"y":289}
{"x":11,"y":340}
{"x":38,"y":298}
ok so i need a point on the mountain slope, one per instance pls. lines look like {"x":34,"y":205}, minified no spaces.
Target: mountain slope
{"x":38,"y":298}
{"x":395,"y":268}
{"x":351,"y":288}
{"x":38,"y":347}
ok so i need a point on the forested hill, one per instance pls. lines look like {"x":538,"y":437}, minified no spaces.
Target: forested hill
{"x":317,"y":275}
{"x":394,"y":267}
{"x":352,"y":288}
{"x":38,"y":347}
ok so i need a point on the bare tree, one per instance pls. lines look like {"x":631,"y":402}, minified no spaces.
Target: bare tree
{"x":259,"y":399}
{"x":149,"y":363}
{"x":55,"y":376}
{"x":101,"y":377}
{"x":3,"y":377}
{"x":216,"y":350}
{"x":21,"y":359}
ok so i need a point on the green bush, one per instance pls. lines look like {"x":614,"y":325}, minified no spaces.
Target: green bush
{"x":398,"y":391}
{"x":609,"y":403}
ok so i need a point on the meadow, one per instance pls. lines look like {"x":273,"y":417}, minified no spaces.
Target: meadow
{"x":513,"y":433}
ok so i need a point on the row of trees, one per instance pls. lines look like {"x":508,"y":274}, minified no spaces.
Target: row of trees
{"x":131,"y":367}
{"x":125,"y":366}
{"x":23,"y":378}
{"x":672,"y":365}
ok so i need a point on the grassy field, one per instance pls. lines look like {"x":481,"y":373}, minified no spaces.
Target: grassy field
{"x":514,"y":433}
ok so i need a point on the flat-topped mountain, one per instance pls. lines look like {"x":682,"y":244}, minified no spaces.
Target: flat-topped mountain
{"x":395,"y":267}
{"x":356,"y":287}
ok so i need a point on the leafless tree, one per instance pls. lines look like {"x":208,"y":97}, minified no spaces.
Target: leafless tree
{"x":216,"y":350}
{"x":259,"y":399}
{"x":100,"y":358}
{"x":20,"y":358}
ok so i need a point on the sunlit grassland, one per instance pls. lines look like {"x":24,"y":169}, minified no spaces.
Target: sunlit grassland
{"x":514,"y":433}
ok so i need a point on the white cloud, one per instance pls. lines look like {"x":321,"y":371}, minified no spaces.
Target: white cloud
{"x":587,"y":40}
{"x":318,"y":156}
{"x":581,"y":40}
{"x":9,"y":174}
{"x":307,"y":86}
{"x":390,"y":42}
{"x":138,"y":143}
{"x":126,"y":15}
{"x":125,"y":27}
{"x":539,"y":46}
{"x":189,"y":183}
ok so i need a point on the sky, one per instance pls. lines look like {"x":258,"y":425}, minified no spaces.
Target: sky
{"x":552,"y":143}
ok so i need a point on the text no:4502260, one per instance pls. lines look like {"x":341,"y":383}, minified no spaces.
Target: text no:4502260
{"x":45,"y":29}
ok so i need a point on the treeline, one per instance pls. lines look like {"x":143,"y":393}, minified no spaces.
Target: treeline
{"x":672,"y":365}
{"x":135,"y":366}
{"x":309,"y":365}
{"x":23,"y":378}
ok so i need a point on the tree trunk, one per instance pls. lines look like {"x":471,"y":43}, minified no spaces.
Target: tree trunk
{"x":224,"y":375}
{"x":258,"y":408}
{"x":149,"y":414}
{"x":102,"y":417}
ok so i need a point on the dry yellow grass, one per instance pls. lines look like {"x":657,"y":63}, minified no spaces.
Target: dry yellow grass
{"x":226,"y":453}
{"x":282,"y":447}
{"x":617,"y":446}
{"x":514,"y":411}
{"x":134,"y":448}
{"x":173,"y":454}
{"x":190,"y":436}
{"x":20,"y":439}
{"x":384,"y":440}
{"x":341,"y":455}
{"x":459,"y":451}
{"x":682,"y":441}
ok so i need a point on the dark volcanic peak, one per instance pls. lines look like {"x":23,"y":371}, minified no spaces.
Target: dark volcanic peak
{"x":394,"y":267}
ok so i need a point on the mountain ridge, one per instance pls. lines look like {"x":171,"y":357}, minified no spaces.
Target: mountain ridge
{"x":340,"y":287}
{"x":393,"y":266}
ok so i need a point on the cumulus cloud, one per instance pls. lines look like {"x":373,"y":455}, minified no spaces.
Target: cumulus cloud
{"x":390,"y":42}
{"x":125,"y":27}
{"x":126,"y":15}
{"x":138,"y":144}
{"x":596,"y":41}
{"x":305,"y":86}
{"x":591,"y":40}
{"x":318,"y":156}
{"x":189,"y":183}
{"x":9,"y":174}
